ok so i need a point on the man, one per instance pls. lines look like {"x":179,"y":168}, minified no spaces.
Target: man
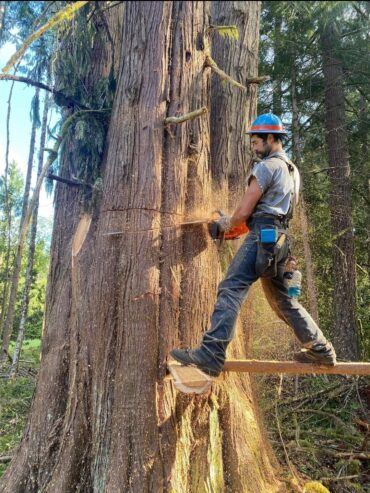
{"x":267,"y":205}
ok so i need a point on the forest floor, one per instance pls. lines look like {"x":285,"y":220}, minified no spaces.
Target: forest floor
{"x":319,"y":426}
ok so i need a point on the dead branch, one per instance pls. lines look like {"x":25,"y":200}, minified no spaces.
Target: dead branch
{"x":41,"y":85}
{"x":349,"y":455}
{"x":72,"y":183}
{"x":5,"y":458}
{"x":338,"y":387}
{"x":341,"y":478}
{"x":223,"y":75}
{"x":187,"y":116}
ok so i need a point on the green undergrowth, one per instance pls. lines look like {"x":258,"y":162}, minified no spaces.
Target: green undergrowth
{"x":316,"y":426}
{"x":30,"y":355}
{"x":15,"y":400}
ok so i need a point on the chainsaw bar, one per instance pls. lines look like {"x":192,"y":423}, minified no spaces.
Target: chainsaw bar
{"x":195,"y":222}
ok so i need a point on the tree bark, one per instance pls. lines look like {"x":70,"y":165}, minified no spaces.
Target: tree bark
{"x":8,"y":325}
{"x":114,"y":310}
{"x":2,"y":19}
{"x":345,"y":335}
{"x":296,"y":151}
{"x":277,"y":92}
{"x":31,"y":249}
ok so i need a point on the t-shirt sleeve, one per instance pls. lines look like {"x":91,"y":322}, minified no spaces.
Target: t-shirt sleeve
{"x":263,"y":175}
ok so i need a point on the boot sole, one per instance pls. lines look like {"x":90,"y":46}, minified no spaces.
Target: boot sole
{"x":315,"y":362}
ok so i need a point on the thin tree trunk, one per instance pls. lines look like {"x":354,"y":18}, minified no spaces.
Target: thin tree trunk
{"x":296,"y":151}
{"x":112,"y":423}
{"x":31,"y":250}
{"x":2,"y":19}
{"x":345,"y":335}
{"x":277,"y":94}
{"x":8,"y":325}
{"x":8,"y":215}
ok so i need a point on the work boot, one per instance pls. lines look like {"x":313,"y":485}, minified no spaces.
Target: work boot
{"x":196,"y":357}
{"x":323,"y":354}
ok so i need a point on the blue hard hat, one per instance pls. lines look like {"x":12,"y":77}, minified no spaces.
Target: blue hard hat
{"x":267,"y":124}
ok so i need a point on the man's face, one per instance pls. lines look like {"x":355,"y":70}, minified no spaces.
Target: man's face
{"x":261,"y":147}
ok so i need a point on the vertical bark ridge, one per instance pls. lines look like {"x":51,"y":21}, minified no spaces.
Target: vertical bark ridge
{"x":232,"y":112}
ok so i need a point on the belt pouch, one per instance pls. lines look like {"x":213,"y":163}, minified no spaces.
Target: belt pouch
{"x":266,"y":264}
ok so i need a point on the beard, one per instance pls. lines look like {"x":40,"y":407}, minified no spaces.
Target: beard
{"x":265,"y":151}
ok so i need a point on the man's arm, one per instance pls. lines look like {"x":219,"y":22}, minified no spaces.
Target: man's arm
{"x":247,"y":205}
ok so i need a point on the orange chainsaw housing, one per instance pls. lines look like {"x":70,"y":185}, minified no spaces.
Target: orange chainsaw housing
{"x":236,"y":232}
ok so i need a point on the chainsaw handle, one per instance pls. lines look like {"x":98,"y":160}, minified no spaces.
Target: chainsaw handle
{"x":233,"y":234}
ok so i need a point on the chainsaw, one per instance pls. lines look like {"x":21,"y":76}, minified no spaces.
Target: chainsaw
{"x":214,"y":228}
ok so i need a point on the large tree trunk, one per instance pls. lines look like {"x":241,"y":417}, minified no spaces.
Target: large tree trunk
{"x":344,"y":263}
{"x":8,"y":324}
{"x":112,"y":423}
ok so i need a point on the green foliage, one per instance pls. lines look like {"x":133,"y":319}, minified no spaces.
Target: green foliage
{"x":65,"y":14}
{"x":66,"y":48}
{"x":30,"y":352}
{"x":15,"y":401}
{"x":85,"y":130}
{"x":8,"y":244}
{"x":37,"y":292}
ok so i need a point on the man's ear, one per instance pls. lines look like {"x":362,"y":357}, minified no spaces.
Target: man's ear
{"x":270,"y":139}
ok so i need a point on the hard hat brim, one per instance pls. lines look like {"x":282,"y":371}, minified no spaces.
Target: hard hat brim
{"x":255,"y":131}
{"x":280,"y":132}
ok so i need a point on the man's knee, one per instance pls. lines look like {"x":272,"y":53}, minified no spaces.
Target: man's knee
{"x":229,"y":297}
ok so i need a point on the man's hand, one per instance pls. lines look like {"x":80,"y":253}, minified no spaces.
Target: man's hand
{"x":224,"y":223}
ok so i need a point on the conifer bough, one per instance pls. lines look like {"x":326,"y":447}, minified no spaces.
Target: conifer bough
{"x":63,"y":15}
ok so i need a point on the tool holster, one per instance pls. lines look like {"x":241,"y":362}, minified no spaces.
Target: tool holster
{"x":270,"y":251}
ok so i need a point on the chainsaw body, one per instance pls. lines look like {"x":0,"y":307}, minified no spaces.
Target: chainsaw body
{"x":233,"y":234}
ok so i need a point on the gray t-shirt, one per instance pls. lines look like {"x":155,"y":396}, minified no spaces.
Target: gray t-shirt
{"x":277,"y":184}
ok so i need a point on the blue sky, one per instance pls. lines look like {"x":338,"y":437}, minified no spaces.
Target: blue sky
{"x":20,"y":127}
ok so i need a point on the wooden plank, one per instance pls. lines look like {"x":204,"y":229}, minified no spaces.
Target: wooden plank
{"x":293,"y":367}
{"x":189,"y":379}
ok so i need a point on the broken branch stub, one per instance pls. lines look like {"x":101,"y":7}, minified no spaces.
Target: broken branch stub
{"x":224,"y":76}
{"x":187,"y":116}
